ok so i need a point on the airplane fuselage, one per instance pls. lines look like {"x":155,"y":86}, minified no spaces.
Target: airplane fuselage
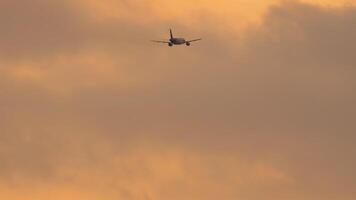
{"x":178,"y":41}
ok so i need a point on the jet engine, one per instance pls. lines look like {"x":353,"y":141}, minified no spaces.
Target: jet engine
{"x":187,"y":43}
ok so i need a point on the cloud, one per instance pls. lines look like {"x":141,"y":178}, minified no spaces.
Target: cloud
{"x":91,"y":109}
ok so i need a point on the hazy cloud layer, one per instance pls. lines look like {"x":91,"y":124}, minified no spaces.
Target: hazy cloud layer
{"x":89,"y":108}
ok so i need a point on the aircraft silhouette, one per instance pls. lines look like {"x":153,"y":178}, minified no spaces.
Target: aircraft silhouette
{"x":176,"y":41}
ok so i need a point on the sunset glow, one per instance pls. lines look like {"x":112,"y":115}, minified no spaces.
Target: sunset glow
{"x":263,"y":108}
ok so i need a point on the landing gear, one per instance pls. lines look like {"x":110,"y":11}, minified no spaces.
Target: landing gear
{"x":170,"y":44}
{"x":187,"y":43}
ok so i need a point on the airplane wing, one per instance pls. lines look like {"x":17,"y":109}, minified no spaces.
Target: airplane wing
{"x":194,"y":40}
{"x":158,"y":41}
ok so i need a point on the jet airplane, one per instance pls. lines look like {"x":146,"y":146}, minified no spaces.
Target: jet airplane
{"x":176,"y":41}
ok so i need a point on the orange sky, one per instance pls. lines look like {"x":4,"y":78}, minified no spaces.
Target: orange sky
{"x":262,"y":108}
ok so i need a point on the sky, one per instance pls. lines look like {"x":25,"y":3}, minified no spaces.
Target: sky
{"x":262,"y":108}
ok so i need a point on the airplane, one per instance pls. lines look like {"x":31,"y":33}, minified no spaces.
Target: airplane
{"x":176,"y":41}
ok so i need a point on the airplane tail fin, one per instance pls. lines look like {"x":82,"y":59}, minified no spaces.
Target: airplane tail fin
{"x":170,"y":31}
